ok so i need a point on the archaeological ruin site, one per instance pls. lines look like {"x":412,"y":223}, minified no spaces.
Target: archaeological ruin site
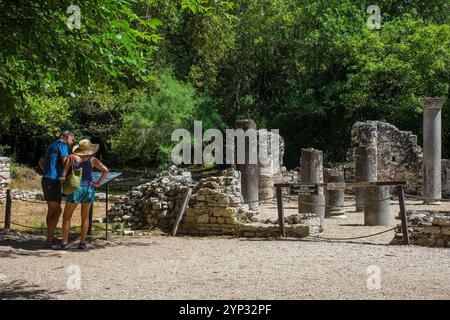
{"x":232,"y":201}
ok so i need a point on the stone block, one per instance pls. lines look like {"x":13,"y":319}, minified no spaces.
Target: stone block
{"x":203,"y":218}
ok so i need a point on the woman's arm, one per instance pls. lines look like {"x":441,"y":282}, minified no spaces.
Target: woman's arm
{"x":100,"y":166}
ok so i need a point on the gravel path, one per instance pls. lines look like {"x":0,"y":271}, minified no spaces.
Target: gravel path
{"x":159,"y":267}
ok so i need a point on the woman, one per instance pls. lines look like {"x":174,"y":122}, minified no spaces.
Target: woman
{"x":82,"y":157}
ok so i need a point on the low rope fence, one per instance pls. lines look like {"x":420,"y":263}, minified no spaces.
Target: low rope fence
{"x":279,"y":199}
{"x":7,"y":222}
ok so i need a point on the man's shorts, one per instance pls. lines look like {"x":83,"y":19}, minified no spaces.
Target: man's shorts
{"x":51,"y":189}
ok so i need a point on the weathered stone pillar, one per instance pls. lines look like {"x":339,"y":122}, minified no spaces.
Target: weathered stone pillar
{"x":270,"y":168}
{"x":311,"y":171}
{"x":376,"y":206}
{"x":375,"y":199}
{"x":365,"y":171}
{"x":5,"y":177}
{"x":249,"y":171}
{"x":334,"y":199}
{"x":432,"y":149}
{"x":364,"y":135}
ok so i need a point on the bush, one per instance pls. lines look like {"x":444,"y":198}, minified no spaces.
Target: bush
{"x":150,"y":118}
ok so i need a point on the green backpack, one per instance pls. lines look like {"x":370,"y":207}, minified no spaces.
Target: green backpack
{"x":72,"y":183}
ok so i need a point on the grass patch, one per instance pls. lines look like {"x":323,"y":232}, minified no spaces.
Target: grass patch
{"x":24,"y":177}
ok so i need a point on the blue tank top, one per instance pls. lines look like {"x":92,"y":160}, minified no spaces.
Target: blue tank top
{"x":86,"y":176}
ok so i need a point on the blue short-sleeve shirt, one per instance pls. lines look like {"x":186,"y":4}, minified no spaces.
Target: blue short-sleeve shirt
{"x":53,"y":159}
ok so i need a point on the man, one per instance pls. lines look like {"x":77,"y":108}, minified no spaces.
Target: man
{"x":52,"y":164}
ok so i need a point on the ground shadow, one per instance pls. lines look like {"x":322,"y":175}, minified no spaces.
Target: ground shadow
{"x":20,"y":289}
{"x":15,"y":245}
{"x":351,"y":225}
{"x":315,"y":240}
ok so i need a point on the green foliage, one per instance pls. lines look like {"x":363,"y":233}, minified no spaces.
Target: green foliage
{"x":4,"y":150}
{"x":150,"y":118}
{"x":46,"y":114}
{"x":313,"y":68}
{"x":310,"y":68}
{"x":40,"y":52}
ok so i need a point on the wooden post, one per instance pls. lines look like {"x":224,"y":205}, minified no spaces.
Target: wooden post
{"x":8,"y":206}
{"x":404,"y":218}
{"x":91,"y":215}
{"x":106,"y":215}
{"x":280,"y":211}
{"x":184,"y":204}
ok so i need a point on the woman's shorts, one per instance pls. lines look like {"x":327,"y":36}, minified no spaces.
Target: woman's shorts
{"x":84,"y":194}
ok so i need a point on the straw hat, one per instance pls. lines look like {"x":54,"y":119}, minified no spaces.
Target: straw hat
{"x":85,"y":148}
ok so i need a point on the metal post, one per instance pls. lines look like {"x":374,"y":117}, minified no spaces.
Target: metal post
{"x":401,"y":201}
{"x":280,"y":211}
{"x":184,"y":204}
{"x":8,"y":206}
{"x":106,"y":215}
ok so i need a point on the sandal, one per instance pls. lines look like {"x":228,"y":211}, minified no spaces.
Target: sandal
{"x":59,"y":246}
{"x":82,"y":246}
{"x":50,"y":245}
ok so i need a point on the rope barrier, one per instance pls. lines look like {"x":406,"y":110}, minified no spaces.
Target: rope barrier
{"x":31,"y":201}
{"x":424,"y":198}
{"x":289,"y":197}
{"x":353,"y":238}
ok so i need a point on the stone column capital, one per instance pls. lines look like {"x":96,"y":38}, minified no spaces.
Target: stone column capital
{"x":432,"y":103}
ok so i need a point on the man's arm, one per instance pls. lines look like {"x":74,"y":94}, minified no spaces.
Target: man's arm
{"x":64,"y":154}
{"x":41,"y":164}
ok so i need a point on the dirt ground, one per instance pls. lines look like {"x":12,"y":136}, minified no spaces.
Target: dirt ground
{"x":163,"y":267}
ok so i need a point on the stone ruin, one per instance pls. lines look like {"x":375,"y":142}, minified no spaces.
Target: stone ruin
{"x":216,"y":207}
{"x":272,"y":171}
{"x":5,"y":176}
{"x":399,"y":157}
{"x":426,"y":228}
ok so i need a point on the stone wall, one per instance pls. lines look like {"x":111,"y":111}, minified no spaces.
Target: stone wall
{"x":426,"y":228}
{"x":446,"y":178}
{"x":216,"y":207}
{"x":5,"y":176}
{"x":398,"y":154}
{"x":399,"y":157}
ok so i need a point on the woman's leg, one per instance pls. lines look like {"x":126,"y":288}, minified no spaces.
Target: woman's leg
{"x":67,"y":217}
{"x":84,"y":220}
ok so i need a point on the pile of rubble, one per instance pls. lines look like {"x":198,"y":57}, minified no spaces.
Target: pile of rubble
{"x":426,"y":228}
{"x":154,"y":203}
{"x":216,"y":207}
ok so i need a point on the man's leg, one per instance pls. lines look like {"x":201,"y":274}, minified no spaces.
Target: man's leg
{"x":53,"y":214}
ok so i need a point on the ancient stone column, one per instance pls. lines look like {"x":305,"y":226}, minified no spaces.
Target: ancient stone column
{"x":249,"y":171}
{"x":363,"y":135}
{"x":270,"y":168}
{"x":365,"y":171}
{"x":432,"y":149}
{"x":334,"y":199}
{"x":311,"y":171}
{"x":376,"y":206}
{"x":376,"y":198}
